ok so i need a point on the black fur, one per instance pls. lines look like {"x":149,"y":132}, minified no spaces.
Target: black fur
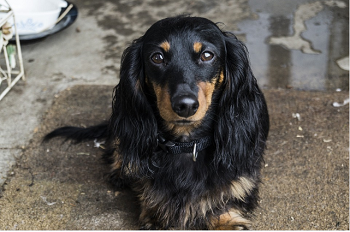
{"x":175,"y":191}
{"x":80,"y":134}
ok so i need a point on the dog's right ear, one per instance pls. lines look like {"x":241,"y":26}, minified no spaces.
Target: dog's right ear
{"x":132,"y":124}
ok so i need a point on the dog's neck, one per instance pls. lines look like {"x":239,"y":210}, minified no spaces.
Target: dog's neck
{"x":193,"y":147}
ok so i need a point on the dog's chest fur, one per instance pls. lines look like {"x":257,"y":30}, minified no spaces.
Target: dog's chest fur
{"x":186,"y":194}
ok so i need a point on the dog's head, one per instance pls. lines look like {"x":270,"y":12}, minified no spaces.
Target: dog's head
{"x":185,"y":73}
{"x":183,"y":65}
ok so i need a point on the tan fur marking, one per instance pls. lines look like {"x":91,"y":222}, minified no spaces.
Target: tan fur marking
{"x":116,"y":165}
{"x":221,"y":77}
{"x":205,"y":93}
{"x":167,"y":113}
{"x":165,"y":45}
{"x":197,"y":47}
{"x":241,"y":188}
{"x":231,"y":220}
{"x":154,"y":204}
{"x":163,"y":102}
{"x":117,"y":162}
{"x":207,"y":88}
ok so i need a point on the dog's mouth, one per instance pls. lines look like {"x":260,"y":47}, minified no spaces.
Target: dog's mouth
{"x":181,"y":127}
{"x":184,"y":122}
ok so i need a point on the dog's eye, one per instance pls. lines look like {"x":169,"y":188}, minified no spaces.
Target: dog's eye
{"x":207,"y":56}
{"x":157,"y":58}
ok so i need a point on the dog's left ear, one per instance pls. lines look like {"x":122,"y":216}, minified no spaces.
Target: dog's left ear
{"x":243,"y":118}
{"x":133,"y":124}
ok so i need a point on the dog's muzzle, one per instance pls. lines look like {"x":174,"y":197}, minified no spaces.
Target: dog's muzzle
{"x":185,"y":105}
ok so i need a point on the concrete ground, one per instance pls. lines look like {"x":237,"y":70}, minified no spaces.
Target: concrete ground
{"x":296,"y":48}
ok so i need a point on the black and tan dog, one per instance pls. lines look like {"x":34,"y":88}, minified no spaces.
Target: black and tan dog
{"x":188,"y":127}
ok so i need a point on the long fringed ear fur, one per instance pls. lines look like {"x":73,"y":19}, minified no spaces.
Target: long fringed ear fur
{"x":243,"y":121}
{"x":133,"y":127}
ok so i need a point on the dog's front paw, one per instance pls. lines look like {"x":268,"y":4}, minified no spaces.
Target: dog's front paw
{"x":231,"y":220}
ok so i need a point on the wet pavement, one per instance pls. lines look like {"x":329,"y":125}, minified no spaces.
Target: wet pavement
{"x":297,"y":52}
{"x":298,"y":43}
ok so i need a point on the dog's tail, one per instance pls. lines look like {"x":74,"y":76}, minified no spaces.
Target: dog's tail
{"x":79,"y":134}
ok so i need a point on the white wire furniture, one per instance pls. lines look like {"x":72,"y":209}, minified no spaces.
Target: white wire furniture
{"x":6,"y":75}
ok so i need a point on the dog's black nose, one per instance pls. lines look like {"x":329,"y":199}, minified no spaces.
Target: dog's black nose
{"x":185,"y":105}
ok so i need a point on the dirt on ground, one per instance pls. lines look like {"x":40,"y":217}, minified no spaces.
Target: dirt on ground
{"x":63,"y":185}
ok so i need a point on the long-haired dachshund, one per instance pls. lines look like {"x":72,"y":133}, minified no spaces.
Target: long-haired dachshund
{"x":188,"y":127}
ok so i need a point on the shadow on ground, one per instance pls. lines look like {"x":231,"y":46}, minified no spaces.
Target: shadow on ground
{"x":62,"y":185}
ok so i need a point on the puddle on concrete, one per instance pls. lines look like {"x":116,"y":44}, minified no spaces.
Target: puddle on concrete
{"x":303,"y":44}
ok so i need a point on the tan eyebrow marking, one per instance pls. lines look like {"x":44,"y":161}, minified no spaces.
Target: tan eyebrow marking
{"x":165,"y":45}
{"x":197,"y":47}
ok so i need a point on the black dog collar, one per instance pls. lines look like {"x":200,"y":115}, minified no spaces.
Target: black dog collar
{"x":193,"y":147}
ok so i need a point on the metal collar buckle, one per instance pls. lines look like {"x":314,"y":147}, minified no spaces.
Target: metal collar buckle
{"x":194,"y":153}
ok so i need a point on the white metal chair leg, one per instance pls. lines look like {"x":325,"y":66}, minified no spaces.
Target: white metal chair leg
{"x":8,"y":74}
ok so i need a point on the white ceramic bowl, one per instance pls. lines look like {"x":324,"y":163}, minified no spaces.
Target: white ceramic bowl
{"x":35,"y":16}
